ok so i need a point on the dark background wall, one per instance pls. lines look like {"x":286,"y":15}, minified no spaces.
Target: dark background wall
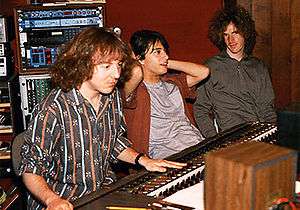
{"x":184,"y":23}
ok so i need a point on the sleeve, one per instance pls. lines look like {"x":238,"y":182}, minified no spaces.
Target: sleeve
{"x":180,"y":80}
{"x":203,"y":108}
{"x":121,"y":142}
{"x":266,"y":97}
{"x":130,"y":101}
{"x":37,"y":150}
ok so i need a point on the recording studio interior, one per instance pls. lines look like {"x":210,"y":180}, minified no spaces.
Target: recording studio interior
{"x":250,"y":166}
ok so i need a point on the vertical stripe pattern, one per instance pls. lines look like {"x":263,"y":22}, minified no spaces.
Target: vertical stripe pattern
{"x":70,"y":145}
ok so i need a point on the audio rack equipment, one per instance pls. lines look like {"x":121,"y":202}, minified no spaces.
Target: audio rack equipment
{"x":33,"y":89}
{"x":4,"y":49}
{"x":4,"y":93}
{"x":3,"y":66}
{"x":41,"y":30}
{"x":3,"y":30}
{"x":6,"y":63}
{"x":10,"y":112}
{"x":6,"y":67}
{"x":162,"y":185}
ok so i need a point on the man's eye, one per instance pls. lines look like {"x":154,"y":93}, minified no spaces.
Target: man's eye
{"x":157,"y":52}
{"x":120,"y":64}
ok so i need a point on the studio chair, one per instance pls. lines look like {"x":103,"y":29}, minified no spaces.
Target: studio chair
{"x":14,"y":194}
{"x":16,"y":152}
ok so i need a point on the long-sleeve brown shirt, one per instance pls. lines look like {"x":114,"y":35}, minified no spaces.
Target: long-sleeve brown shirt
{"x":138,"y":111}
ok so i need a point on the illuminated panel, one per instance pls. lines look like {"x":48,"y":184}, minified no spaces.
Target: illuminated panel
{"x":42,"y":30}
{"x":42,"y":56}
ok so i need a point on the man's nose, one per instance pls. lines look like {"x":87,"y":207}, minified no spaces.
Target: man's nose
{"x":116,"y":71}
{"x":165,"y":55}
{"x":230,"y":38}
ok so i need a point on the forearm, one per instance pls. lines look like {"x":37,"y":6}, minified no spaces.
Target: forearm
{"x":207,"y":128}
{"x":204,"y":122}
{"x":267,"y":111}
{"x":192,"y":69}
{"x":134,"y":81}
{"x":195,"y":72}
{"x":203,"y":111}
{"x":129,"y":155}
{"x":269,"y":114}
{"x":266,"y":99}
{"x":39,"y":188}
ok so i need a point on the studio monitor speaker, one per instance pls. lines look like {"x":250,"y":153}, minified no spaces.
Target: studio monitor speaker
{"x":248,"y":176}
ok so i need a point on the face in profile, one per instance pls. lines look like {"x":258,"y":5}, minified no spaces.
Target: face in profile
{"x":156,"y":60}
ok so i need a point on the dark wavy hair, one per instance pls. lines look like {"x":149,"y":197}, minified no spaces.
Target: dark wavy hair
{"x":242,"y":20}
{"x":141,"y":41}
{"x":77,"y":59}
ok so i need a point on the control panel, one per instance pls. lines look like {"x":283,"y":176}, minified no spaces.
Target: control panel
{"x":41,"y":30}
{"x":33,"y":89}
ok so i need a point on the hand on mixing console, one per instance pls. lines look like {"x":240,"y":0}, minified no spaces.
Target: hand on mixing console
{"x":159,"y":165}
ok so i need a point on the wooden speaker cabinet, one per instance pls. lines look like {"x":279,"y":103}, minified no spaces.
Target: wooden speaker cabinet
{"x":248,"y":176}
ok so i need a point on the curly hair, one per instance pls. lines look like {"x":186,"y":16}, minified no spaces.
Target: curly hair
{"x":77,"y":59}
{"x":242,"y":20}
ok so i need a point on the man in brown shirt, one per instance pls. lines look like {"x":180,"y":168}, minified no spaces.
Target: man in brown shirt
{"x":158,"y":118}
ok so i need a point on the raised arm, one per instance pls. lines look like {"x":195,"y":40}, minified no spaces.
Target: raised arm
{"x":195,"y":72}
{"x":39,"y":188}
{"x":135,"y":78}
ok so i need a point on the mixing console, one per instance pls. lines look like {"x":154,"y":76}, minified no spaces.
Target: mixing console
{"x":145,"y":186}
{"x":165,"y":184}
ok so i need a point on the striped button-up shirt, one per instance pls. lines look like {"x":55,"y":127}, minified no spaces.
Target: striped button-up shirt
{"x":71,"y":145}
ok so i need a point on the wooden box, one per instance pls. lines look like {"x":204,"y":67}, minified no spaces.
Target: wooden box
{"x":248,"y":176}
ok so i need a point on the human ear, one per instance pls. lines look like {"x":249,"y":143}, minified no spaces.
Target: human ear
{"x":141,"y":62}
{"x":138,"y":58}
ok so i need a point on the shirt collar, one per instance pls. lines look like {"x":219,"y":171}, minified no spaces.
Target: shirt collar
{"x":224,"y":54}
{"x":74,"y":97}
